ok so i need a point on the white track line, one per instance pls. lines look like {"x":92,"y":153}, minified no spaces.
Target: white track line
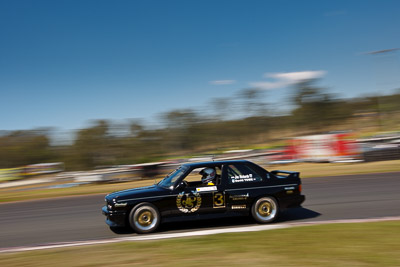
{"x":190,"y":234}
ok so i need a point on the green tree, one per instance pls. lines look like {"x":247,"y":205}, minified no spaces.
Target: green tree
{"x":182,"y":130}
{"x":251,"y":102}
{"x":91,"y":146}
{"x":19,"y":148}
{"x":314,"y":107}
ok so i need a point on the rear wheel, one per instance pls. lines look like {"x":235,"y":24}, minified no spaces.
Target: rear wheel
{"x":265,"y":210}
{"x":144,"y":218}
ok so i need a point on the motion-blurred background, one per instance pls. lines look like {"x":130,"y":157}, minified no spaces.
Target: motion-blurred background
{"x":95,"y":85}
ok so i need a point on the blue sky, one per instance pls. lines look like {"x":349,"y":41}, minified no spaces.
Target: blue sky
{"x":63,"y":63}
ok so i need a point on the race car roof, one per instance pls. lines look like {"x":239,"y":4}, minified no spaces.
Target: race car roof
{"x":213,"y":163}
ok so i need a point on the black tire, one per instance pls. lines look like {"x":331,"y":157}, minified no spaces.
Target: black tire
{"x":265,"y":210}
{"x":144,"y":218}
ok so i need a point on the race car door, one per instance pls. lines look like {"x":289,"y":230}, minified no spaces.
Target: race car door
{"x":199,"y":198}
{"x":242,"y":183}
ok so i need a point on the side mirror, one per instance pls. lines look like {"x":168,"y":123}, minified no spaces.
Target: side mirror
{"x":181,"y":185}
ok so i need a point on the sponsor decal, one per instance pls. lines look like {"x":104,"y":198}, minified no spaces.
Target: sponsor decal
{"x":207,"y":188}
{"x":238,"y":207}
{"x":219,"y":200}
{"x":120,"y":205}
{"x":243,"y":178}
{"x":290,"y":188}
{"x":239,"y":197}
{"x":188,"y":202}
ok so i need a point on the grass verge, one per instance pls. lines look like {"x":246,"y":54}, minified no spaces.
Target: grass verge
{"x":359,"y":244}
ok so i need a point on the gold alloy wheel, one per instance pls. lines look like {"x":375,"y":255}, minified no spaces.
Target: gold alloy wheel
{"x":145,"y":218}
{"x":264,"y":209}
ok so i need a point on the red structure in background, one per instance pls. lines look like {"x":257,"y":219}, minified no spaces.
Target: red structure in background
{"x":321,"y":148}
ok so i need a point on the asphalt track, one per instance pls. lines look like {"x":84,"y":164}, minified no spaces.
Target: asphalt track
{"x":73,"y":219}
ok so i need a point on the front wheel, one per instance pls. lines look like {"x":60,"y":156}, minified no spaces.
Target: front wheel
{"x":144,"y":218}
{"x":265,"y":210}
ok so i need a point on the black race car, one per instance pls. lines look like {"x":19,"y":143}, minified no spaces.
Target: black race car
{"x":202,"y":189}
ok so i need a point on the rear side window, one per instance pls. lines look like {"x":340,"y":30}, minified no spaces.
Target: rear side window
{"x":242,"y":174}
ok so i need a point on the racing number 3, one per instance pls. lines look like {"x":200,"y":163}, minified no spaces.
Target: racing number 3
{"x":219,"y":200}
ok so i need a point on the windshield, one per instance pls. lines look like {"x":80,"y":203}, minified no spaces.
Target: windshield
{"x":171,"y":178}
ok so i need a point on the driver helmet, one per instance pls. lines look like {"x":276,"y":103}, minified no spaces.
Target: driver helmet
{"x":208,"y":175}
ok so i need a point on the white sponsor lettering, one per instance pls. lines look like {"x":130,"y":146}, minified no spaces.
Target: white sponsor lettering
{"x":238,"y":207}
{"x":242,"y":178}
{"x":206,"y":189}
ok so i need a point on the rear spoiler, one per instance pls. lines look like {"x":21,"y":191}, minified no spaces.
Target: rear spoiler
{"x":288,"y":175}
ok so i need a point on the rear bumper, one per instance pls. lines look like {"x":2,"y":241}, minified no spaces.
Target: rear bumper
{"x":114,"y":218}
{"x":292,"y":202}
{"x":301,"y":199}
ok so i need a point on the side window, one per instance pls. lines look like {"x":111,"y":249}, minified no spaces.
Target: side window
{"x":194,"y":178}
{"x":242,"y":174}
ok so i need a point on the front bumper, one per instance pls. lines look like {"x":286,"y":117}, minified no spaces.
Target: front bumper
{"x":114,"y":218}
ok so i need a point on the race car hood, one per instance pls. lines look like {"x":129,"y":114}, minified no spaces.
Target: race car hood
{"x":136,"y":193}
